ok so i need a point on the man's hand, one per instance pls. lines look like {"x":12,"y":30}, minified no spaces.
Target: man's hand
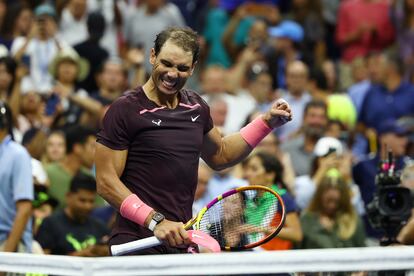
{"x":172,"y":233}
{"x":279,"y":114}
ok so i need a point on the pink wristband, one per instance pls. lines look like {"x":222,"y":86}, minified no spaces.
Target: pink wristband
{"x":134,"y":209}
{"x":255,"y":131}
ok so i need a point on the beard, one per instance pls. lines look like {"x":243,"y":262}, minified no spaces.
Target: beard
{"x":314,"y":132}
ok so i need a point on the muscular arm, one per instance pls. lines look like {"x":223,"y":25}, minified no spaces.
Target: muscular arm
{"x":109,"y":166}
{"x":220,"y":153}
{"x":23,"y":213}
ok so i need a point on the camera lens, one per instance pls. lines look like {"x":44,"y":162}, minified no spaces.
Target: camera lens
{"x":394,"y":200}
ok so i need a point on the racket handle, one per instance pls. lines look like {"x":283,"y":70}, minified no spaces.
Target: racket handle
{"x":121,"y":249}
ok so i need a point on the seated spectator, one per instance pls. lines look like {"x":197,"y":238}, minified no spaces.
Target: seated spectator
{"x":330,"y":157}
{"x":204,"y":176}
{"x":72,"y":231}
{"x":265,"y":170}
{"x":301,"y":147}
{"x":43,"y":206}
{"x":80,"y":149}
{"x":330,"y":221}
{"x":55,"y":150}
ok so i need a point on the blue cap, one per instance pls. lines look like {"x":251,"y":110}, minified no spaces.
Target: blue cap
{"x":45,"y":9}
{"x":287,"y":29}
{"x":392,"y":126}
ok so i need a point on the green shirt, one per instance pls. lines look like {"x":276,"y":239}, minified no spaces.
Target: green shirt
{"x":316,"y":236}
{"x":60,"y":182}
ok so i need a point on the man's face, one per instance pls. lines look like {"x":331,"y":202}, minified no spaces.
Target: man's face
{"x":171,"y":68}
{"x":81,"y":203}
{"x":87,"y":152}
{"x":296,"y":78}
{"x":214,"y":80}
{"x":261,"y":87}
{"x":315,"y":122}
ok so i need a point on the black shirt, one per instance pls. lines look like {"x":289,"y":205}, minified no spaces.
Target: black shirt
{"x":62,"y":235}
{"x":163,"y":152}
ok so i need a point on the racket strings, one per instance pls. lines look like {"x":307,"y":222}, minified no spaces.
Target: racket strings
{"x":242,"y":218}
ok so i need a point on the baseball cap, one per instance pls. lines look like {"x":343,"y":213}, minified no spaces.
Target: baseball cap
{"x":287,"y":29}
{"x":326,"y":145}
{"x":45,"y":9}
{"x":392,"y":126}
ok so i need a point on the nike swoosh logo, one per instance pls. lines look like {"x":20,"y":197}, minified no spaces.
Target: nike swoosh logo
{"x":195,"y":118}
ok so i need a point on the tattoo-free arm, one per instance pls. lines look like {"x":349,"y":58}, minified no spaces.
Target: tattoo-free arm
{"x":23,"y":214}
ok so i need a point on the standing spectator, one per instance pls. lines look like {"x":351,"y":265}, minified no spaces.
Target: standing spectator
{"x":80,"y":150}
{"x":297,"y":96}
{"x":361,"y":82}
{"x":157,"y":15}
{"x":38,"y":49}
{"x":331,"y":221}
{"x":72,"y":231}
{"x":72,"y":25}
{"x":363,"y":26}
{"x":16,"y":191}
{"x":315,"y":120}
{"x":91,"y":51}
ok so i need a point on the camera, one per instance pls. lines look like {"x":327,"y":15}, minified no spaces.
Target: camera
{"x":391,"y":206}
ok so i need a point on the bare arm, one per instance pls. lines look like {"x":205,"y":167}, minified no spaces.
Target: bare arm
{"x":109,"y":166}
{"x":292,"y":230}
{"x":23,"y":213}
{"x":220,"y":153}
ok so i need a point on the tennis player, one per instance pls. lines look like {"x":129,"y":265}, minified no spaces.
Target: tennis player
{"x":151,"y":141}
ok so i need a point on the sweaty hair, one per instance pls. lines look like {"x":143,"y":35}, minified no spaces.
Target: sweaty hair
{"x":77,"y":135}
{"x":82,"y":181}
{"x":185,"y":38}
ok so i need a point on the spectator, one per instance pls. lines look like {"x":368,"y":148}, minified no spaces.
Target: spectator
{"x":287,"y":37}
{"x":218,"y":111}
{"x":363,"y":26}
{"x":55,"y":148}
{"x":91,"y":51}
{"x":72,"y":231}
{"x":314,"y":126}
{"x":157,"y":15}
{"x":331,"y":157}
{"x":43,"y":206}
{"x":17,"y":23}
{"x":407,"y":180}
{"x":296,"y":94}
{"x":390,"y":92}
{"x":72,"y":27}
{"x":200,"y":196}
{"x":264,"y":169}
{"x":16,"y":191}
{"x":80,"y":151}
{"x":402,"y":13}
{"x":67,"y":68}
{"x":331,"y":221}
{"x":361,"y":82}
{"x":38,"y":49}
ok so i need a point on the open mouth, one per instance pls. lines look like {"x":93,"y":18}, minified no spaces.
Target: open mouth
{"x":169,"y":83}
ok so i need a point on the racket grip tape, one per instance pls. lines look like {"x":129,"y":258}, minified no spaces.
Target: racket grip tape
{"x":128,"y":247}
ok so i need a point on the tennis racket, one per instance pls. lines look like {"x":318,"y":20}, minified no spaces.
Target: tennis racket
{"x":242,"y":218}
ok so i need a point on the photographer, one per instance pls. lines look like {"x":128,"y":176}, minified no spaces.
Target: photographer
{"x":406,"y":235}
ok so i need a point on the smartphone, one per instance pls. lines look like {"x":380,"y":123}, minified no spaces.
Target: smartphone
{"x":51,"y":104}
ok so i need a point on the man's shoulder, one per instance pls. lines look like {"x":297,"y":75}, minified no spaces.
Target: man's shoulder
{"x":19,"y":151}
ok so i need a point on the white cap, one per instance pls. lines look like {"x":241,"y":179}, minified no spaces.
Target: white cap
{"x":326,"y":145}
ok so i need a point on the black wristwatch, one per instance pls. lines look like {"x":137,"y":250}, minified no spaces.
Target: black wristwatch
{"x":156,"y":218}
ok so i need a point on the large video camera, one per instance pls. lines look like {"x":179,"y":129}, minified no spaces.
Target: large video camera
{"x":391,"y":206}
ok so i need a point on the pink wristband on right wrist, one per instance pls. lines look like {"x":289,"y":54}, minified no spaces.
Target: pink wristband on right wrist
{"x":255,"y":131}
{"x":134,"y":209}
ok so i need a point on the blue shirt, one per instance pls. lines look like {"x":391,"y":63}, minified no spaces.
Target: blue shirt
{"x":357,"y":93}
{"x":16,"y":183}
{"x":381,"y":105}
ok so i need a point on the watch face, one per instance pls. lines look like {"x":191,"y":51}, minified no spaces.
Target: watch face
{"x":158,"y":217}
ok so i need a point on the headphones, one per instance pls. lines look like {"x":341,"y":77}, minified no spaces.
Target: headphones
{"x":4,"y":116}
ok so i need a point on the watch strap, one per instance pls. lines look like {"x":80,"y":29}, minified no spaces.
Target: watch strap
{"x":152,"y":225}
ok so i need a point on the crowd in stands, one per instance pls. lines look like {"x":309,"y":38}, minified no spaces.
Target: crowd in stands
{"x":346,"y":67}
